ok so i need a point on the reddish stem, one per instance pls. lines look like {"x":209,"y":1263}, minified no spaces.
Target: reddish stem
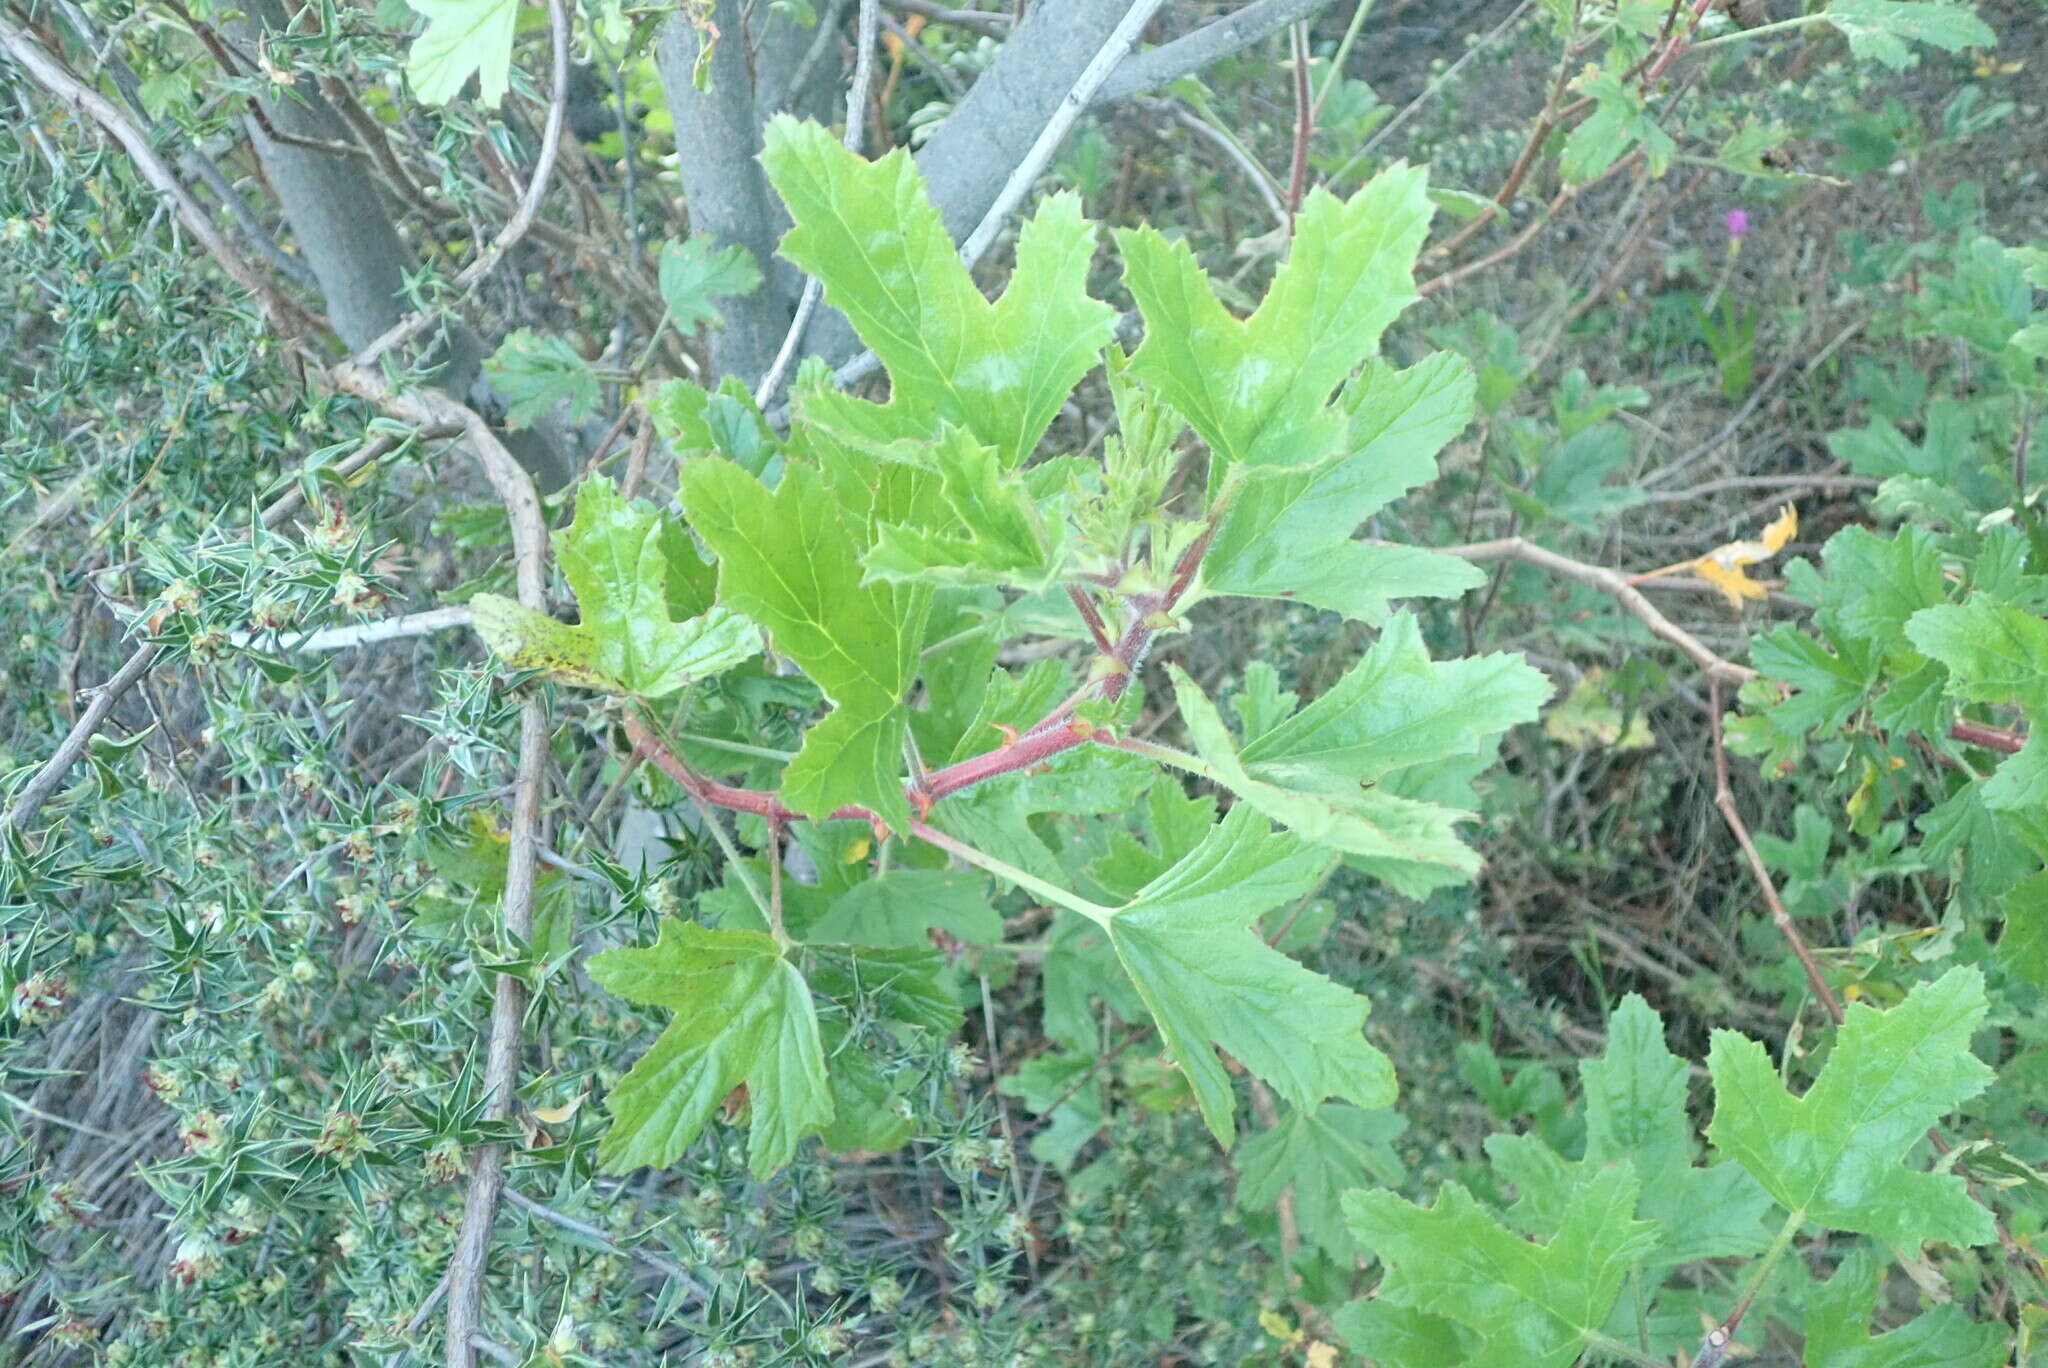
{"x":1676,"y":44}
{"x":1988,"y":738}
{"x":1050,"y":736}
{"x":1086,"y":607}
{"x":1304,"y":127}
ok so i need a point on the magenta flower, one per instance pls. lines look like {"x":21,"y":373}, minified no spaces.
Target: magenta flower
{"x":1737,"y":223}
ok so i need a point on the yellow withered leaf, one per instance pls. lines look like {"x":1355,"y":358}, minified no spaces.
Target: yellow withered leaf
{"x":1723,"y":566}
{"x":555,"y":1116}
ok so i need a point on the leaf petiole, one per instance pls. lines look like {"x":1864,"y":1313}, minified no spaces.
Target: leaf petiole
{"x":1167,"y":755}
{"x":735,"y":747}
{"x":1002,"y":869}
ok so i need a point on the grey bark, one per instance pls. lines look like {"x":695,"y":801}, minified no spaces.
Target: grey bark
{"x":338,"y":218}
{"x":966,"y":162}
{"x":972,"y":153}
{"x":718,"y":137}
{"x":1206,"y":45}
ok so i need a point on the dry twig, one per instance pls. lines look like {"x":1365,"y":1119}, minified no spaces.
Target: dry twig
{"x":1724,"y":803}
{"x":1615,"y":583}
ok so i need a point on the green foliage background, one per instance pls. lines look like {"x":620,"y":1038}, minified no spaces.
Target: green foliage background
{"x":1376,"y":982}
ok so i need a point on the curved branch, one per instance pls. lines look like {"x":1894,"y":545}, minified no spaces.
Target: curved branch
{"x":1205,"y":46}
{"x":516,"y":227}
{"x":515,"y":490}
{"x":1612,"y":582}
{"x":52,"y":75}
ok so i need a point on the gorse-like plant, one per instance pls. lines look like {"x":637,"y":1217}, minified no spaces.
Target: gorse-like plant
{"x":1035,"y":858}
{"x":885,"y":554}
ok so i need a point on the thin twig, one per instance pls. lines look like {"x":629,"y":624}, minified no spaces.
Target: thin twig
{"x":1612,"y":582}
{"x":517,"y":226}
{"x":1206,"y":46}
{"x":995,"y":1066}
{"x":1443,"y":78}
{"x":431,"y":409}
{"x":1112,"y":53}
{"x":988,"y":25}
{"x":80,"y":736}
{"x":1304,"y":124}
{"x":419,"y":624}
{"x":1724,"y":803}
{"x":856,"y":120}
{"x":1233,"y":152}
{"x":1529,"y":232}
{"x":668,"y":1268}
{"x":492,"y":1350}
{"x":283,"y":312}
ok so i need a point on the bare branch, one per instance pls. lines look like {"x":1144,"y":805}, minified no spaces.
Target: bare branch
{"x":988,"y":25}
{"x":73,"y":746}
{"x":508,"y":1010}
{"x":529,"y":204}
{"x":1206,"y":46}
{"x":1612,"y":582}
{"x":425,"y":623}
{"x":52,"y":75}
{"x":1077,"y":99}
{"x":1233,"y":152}
{"x":856,"y":120}
{"x":1724,"y":803}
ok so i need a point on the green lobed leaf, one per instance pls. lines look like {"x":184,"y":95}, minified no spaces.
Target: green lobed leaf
{"x":1838,"y":1328}
{"x":1319,"y":1155}
{"x":743,"y":1015}
{"x":1210,"y":982}
{"x":1524,"y":1305}
{"x":2023,"y":943}
{"x":1401,"y":1336}
{"x":463,"y":38}
{"x":1618,"y":122}
{"x":1316,"y":772}
{"x":1398,"y":708}
{"x":1258,"y":390}
{"x":1883,"y":29}
{"x":1362,"y":822}
{"x":1635,"y":1097}
{"x":900,"y":908}
{"x":695,"y":274}
{"x":647,"y":627}
{"x":1834,"y":1155}
{"x":994,"y":533}
{"x":789,"y":560}
{"x":527,"y":640}
{"x":1874,"y":584}
{"x":619,"y":558}
{"x":869,"y":232}
{"x":535,"y":372}
{"x":1996,"y":653}
{"x":1288,"y":534}
{"x":1063,"y":1084}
